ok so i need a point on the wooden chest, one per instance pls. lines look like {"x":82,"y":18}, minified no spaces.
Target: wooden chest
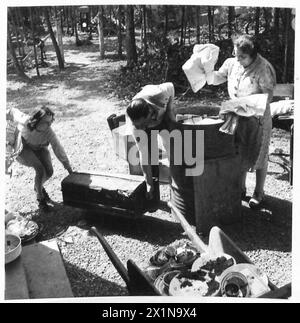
{"x":119,"y":194}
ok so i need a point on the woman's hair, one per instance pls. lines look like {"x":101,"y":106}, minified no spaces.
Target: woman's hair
{"x":138,"y":108}
{"x":246,"y":43}
{"x":37,"y":116}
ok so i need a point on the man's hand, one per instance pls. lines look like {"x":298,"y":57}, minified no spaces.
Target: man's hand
{"x":149,"y":191}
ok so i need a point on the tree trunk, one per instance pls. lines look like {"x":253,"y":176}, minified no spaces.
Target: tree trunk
{"x":144,"y":29}
{"x":14,"y":22}
{"x":66,"y":10}
{"x":209,"y":24}
{"x":21,"y":28}
{"x":71,"y":11}
{"x":17,"y":66}
{"x":100,"y":32}
{"x":166,"y":21}
{"x":59,"y":36}
{"x":276,"y":22}
{"x":231,"y":14}
{"x":77,"y":40}
{"x":149,"y":16}
{"x":33,"y":43}
{"x":198,"y":24}
{"x":257,"y":15}
{"x":50,"y":30}
{"x":182,"y":35}
{"x":267,"y":16}
{"x":120,"y":31}
{"x":130,"y":36}
{"x":61,"y":15}
{"x":286,"y":43}
{"x":213,"y":23}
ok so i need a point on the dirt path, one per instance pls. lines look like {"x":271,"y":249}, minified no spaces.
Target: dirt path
{"x":82,"y":99}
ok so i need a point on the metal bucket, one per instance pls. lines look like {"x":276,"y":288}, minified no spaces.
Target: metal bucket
{"x":216,"y":145}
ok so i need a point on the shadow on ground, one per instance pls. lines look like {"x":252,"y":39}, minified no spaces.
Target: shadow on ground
{"x":146,"y":228}
{"x":95,"y":286}
{"x":268,"y":228}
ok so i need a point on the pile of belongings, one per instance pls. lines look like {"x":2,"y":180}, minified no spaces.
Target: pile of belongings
{"x":181,"y":270}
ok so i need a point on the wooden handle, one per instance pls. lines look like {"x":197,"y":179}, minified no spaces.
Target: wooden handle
{"x":191,"y":233}
{"x":112,"y":256}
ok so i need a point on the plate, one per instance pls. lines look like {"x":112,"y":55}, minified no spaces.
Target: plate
{"x":181,"y":285}
{"x":216,"y":264}
{"x":257,"y":281}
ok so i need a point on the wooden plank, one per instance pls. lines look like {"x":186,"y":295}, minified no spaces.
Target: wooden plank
{"x":15,"y":280}
{"x":45,"y":271}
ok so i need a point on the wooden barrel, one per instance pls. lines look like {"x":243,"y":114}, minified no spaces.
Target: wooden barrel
{"x":216,"y":145}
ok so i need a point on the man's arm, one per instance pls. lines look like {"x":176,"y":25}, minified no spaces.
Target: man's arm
{"x":141,"y":139}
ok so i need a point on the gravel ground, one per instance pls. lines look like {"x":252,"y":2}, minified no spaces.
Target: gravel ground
{"x":82,"y":98}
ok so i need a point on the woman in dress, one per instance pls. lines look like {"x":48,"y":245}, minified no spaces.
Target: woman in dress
{"x":249,"y":73}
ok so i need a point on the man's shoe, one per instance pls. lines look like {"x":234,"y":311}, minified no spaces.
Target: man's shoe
{"x":43,"y":206}
{"x":256,"y":200}
{"x":46,"y":195}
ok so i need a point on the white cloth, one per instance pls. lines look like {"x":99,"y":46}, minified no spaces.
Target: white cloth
{"x":247,"y":106}
{"x":282,"y":107}
{"x":230,"y":125}
{"x":201,"y":62}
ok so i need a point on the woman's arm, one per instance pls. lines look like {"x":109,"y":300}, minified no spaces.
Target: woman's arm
{"x":59,"y":150}
{"x":220,"y":76}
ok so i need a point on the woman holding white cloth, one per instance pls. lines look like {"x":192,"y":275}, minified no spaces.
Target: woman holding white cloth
{"x":249,"y":73}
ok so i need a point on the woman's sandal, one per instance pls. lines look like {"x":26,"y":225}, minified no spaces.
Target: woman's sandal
{"x":256,"y":200}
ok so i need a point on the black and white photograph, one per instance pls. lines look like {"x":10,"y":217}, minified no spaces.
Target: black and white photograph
{"x":150,"y":153}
